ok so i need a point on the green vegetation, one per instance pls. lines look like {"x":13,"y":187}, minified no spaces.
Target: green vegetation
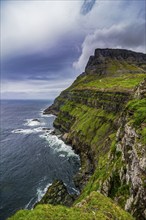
{"x":143,"y":132}
{"x":94,"y":124}
{"x":118,"y":76}
{"x":137,"y":108}
{"x":116,"y":67}
{"x":137,"y":111}
{"x":94,"y":207}
{"x":107,"y":171}
{"x":125,"y":82}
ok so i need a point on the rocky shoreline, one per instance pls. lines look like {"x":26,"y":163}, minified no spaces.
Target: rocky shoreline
{"x":57,"y":194}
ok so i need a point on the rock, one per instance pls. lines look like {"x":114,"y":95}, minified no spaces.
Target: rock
{"x":56,"y":132}
{"x":135,"y":171}
{"x":35,"y":119}
{"x":46,"y":129}
{"x":64,"y":137}
{"x":140,"y":91}
{"x":57,"y":194}
{"x":98,"y":61}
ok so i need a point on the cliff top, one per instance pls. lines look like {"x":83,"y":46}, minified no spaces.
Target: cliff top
{"x":107,"y":52}
{"x":105,"y":55}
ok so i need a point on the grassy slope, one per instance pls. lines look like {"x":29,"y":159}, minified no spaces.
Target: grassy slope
{"x":137,"y":109}
{"x":119,"y":76}
{"x":94,"y":207}
{"x":93,"y":123}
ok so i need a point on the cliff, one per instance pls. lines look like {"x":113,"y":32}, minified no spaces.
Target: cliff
{"x":103,"y":116}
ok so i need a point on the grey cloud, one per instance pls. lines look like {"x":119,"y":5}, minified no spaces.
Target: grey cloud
{"x":31,"y":89}
{"x":41,"y":39}
{"x":130,"y":36}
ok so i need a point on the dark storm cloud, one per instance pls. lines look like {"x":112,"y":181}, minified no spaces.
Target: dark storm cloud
{"x":42,"y":41}
{"x":48,"y":64}
{"x":87,"y":6}
{"x":131,"y":36}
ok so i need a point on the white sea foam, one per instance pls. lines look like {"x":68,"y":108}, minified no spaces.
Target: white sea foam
{"x":58,"y":145}
{"x":33,"y":122}
{"x":41,"y":192}
{"x":61,"y":155}
{"x":23,"y":131}
{"x":76,"y":191}
{"x":28,"y":131}
{"x":27,"y":206}
{"x":37,"y":130}
{"x":47,"y":115}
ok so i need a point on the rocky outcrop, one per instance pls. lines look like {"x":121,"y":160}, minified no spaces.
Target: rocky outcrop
{"x":132,"y":173}
{"x":57,"y":194}
{"x":134,"y":156}
{"x":140,"y":90}
{"x":135,"y":171}
{"x":101,"y":58}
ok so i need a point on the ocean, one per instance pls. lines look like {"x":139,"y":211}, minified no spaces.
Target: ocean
{"x":30,"y":157}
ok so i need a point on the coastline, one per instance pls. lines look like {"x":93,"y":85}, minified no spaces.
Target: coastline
{"x":57,"y":187}
{"x":57,"y":193}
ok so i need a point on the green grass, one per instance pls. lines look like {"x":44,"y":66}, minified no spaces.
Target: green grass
{"x":125,"y":82}
{"x":94,"y":124}
{"x":118,"y":76}
{"x":93,"y":207}
{"x":143,"y":132}
{"x":108,"y":168}
{"x":137,"y":110}
{"x":116,"y":67}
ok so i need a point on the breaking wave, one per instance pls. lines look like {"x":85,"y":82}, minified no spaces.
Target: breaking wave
{"x":29,"y":131}
{"x":41,"y":192}
{"x":59,"y":146}
{"x":33,"y":122}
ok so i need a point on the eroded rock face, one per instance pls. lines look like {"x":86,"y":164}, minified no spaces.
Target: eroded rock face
{"x":101,"y":57}
{"x":135,"y":171}
{"x":57,"y":194}
{"x":140,"y":91}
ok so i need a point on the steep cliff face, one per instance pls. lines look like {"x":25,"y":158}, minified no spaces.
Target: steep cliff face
{"x":102,"y":115}
{"x":121,"y":173}
{"x":96,"y":116}
{"x":131,"y":142}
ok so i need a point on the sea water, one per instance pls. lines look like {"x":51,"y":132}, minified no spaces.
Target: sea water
{"x":31,"y":158}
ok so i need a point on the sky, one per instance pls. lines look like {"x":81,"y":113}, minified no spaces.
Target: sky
{"x":45,"y":44}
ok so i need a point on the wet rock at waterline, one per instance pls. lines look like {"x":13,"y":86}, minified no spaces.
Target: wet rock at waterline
{"x":57,"y":194}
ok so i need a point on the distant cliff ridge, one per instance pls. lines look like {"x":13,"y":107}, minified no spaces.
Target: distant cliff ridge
{"x":102,"y":115}
{"x":103,"y":55}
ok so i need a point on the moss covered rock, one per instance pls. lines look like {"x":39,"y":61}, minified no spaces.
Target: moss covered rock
{"x":57,"y":194}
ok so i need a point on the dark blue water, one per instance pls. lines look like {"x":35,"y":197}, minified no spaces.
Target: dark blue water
{"x":31,"y":158}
